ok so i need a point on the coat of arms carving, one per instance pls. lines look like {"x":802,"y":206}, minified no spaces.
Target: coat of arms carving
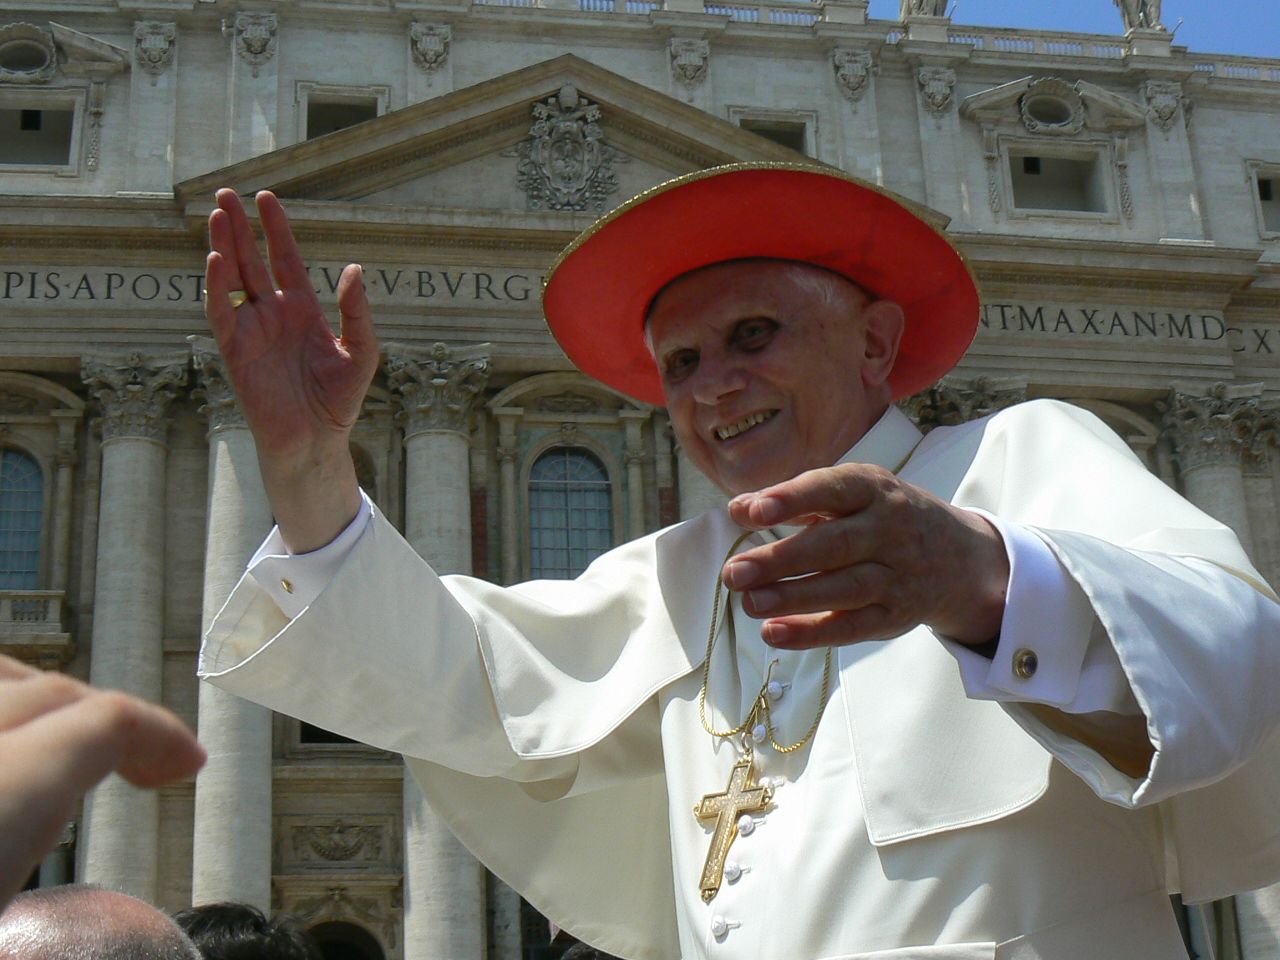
{"x":153,"y":42}
{"x":689,"y":59}
{"x":853,"y":72}
{"x":256,"y":38}
{"x":565,"y":163}
{"x":1164,"y":97}
{"x":936,"y":84}
{"x":429,"y":43}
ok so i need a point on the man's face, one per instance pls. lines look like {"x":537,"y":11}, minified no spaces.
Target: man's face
{"x":770,"y":368}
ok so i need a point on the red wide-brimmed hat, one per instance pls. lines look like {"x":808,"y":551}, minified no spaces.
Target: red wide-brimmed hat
{"x":599,"y":290}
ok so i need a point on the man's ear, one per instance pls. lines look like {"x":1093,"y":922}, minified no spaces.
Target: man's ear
{"x":883,"y":321}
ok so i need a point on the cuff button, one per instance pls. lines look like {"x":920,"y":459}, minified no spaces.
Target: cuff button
{"x":1025,"y":663}
{"x":286,"y":585}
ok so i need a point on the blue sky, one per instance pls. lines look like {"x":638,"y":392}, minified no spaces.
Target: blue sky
{"x":1245,"y":27}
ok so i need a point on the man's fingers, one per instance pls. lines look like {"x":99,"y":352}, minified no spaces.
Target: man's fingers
{"x":823,"y":546}
{"x":826,"y":492}
{"x":217,"y":304}
{"x":22,"y":700}
{"x":831,"y":629}
{"x":286,"y":260}
{"x":253,"y":272}
{"x":354,"y":313}
{"x":11,"y":669}
{"x":848,"y":588}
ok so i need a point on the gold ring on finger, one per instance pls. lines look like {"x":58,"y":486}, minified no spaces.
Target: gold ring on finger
{"x":237,"y":297}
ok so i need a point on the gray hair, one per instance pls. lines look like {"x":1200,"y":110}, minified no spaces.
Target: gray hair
{"x":81,"y":922}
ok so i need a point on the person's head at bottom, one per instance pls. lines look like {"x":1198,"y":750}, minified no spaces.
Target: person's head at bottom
{"x":80,"y":922}
{"x":238,"y":931}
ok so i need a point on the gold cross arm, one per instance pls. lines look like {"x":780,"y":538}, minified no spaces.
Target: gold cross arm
{"x":739,"y":797}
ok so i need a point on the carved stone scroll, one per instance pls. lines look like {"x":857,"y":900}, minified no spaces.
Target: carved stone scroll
{"x":153,"y":44}
{"x":853,"y":72}
{"x":565,"y":164}
{"x":936,"y":85}
{"x":430,"y":44}
{"x":689,"y":60}
{"x":256,"y":38}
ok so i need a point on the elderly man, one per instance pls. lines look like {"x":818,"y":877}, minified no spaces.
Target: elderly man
{"x":986,"y":693}
{"x":87,"y":923}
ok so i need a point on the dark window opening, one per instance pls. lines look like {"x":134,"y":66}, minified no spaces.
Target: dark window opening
{"x":36,"y":137}
{"x":30,"y":120}
{"x":1031,"y":166}
{"x":309,"y":733}
{"x":1270,"y":203}
{"x":327,"y":117}
{"x":1264,"y":189}
{"x":1069,"y":184}
{"x":788,"y":133}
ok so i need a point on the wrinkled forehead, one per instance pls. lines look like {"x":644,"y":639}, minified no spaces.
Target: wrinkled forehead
{"x":805,"y":276}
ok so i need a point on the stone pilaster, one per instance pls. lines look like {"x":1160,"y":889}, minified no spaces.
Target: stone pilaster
{"x":121,"y":822}
{"x":953,"y":401}
{"x":66,"y":460}
{"x":509,"y":497}
{"x":444,"y":886}
{"x":634,"y":457}
{"x":1208,"y":432}
{"x":254,"y":89}
{"x":153,"y":106}
{"x":231,"y":853}
{"x":853,"y":72}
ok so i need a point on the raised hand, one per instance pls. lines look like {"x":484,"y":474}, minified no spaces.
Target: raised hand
{"x":300,"y":386}
{"x":878,"y":557}
{"x":59,"y":737}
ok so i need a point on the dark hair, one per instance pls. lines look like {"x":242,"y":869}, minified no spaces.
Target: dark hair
{"x":238,"y":931}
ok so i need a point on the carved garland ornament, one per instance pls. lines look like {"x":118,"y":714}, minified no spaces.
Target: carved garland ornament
{"x":337,"y":842}
{"x":565,"y":163}
{"x":1052,"y":106}
{"x":153,"y":43}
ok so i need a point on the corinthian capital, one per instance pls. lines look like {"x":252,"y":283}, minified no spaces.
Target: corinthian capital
{"x":134,"y":390}
{"x":437,"y":385}
{"x":953,"y":401}
{"x":213,"y":386}
{"x":1210,"y":428}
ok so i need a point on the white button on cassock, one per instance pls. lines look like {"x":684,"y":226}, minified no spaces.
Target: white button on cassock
{"x":719,"y":927}
{"x":776,"y":689}
{"x":758,"y":733}
{"x":732,"y":871}
{"x":746,"y":824}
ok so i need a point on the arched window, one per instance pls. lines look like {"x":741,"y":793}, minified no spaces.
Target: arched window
{"x":570,"y":515}
{"x":21,"y":517}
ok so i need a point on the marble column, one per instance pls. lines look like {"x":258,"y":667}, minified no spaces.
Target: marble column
{"x":1207,"y":431}
{"x":231,"y":853}
{"x":445,"y":905}
{"x":121,"y":822}
{"x":67,"y":421}
{"x":1261,"y":472}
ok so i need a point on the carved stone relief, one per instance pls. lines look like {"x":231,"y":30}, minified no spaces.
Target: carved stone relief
{"x":1164,"y":97}
{"x":153,"y":43}
{"x":377,"y":907}
{"x":565,"y":164}
{"x":134,"y":391}
{"x":337,"y":842}
{"x":936,"y":85}
{"x":853,"y":72}
{"x":1122,"y":176}
{"x":438,"y":385}
{"x":567,"y":403}
{"x":430,"y":43}
{"x":29,"y":54}
{"x":212,"y":385}
{"x":689,"y":59}
{"x":255,"y":38}
{"x":953,"y":401}
{"x":1052,"y":106}
{"x":1210,"y":428}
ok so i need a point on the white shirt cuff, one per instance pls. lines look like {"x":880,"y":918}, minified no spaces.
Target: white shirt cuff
{"x":295,"y":580}
{"x":1052,"y":649}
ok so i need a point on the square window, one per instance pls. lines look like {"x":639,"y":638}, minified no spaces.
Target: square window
{"x":328,"y":116}
{"x":1269,"y":200}
{"x":788,"y":133}
{"x":1073,"y":184}
{"x":37,"y":137}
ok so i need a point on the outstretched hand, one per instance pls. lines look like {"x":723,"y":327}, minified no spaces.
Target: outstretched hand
{"x":300,"y":386}
{"x":877,"y":557}
{"x":59,"y":737}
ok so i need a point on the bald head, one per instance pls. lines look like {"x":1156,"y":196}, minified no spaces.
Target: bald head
{"x":87,"y":923}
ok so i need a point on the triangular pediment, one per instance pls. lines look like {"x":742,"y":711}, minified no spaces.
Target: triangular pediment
{"x":458,"y":156}
{"x":1082,"y":105}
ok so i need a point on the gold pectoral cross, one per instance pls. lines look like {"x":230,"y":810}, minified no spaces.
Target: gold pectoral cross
{"x":741,"y":796}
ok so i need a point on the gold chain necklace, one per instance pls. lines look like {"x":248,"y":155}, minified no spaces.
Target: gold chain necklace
{"x":743,"y":796}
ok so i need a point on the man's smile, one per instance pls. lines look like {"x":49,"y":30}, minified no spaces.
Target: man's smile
{"x":734,"y":429}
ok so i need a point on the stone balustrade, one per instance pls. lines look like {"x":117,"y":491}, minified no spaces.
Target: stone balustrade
{"x":31,"y":627}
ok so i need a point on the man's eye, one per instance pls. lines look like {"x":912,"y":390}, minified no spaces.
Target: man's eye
{"x":754,"y":334}
{"x":679,"y":365}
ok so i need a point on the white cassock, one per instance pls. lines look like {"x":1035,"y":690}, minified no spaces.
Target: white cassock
{"x":554,"y":726}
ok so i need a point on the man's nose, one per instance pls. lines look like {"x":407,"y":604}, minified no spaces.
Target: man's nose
{"x":716,"y":379}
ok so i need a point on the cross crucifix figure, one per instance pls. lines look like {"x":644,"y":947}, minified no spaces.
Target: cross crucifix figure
{"x":741,"y":796}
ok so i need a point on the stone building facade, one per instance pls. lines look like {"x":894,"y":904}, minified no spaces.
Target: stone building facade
{"x":1117,"y":196}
